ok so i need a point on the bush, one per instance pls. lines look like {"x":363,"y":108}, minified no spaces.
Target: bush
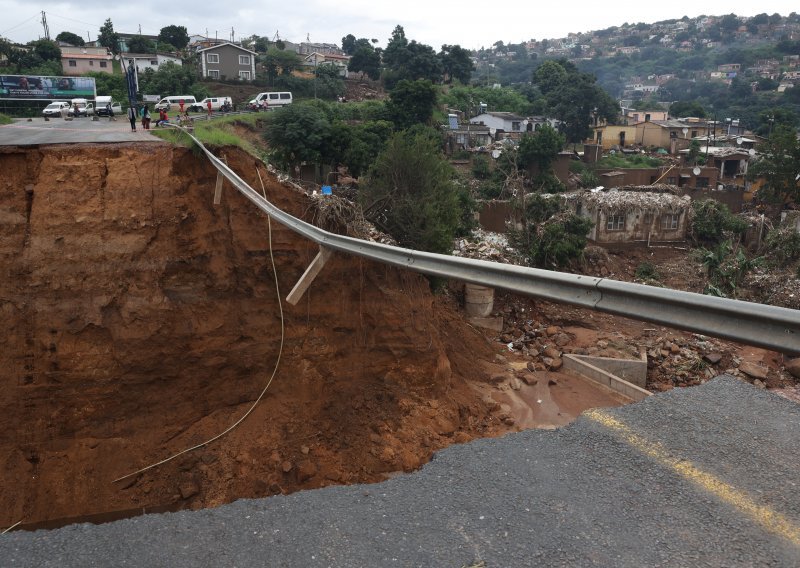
{"x":783,"y":244}
{"x":5,"y":119}
{"x":480,"y":168}
{"x":647,"y":271}
{"x":550,"y":237}
{"x":712,"y":220}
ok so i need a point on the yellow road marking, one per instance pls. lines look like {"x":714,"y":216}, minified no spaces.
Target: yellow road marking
{"x":765,"y":516}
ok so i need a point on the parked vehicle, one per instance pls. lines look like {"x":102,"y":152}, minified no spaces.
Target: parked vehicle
{"x":85,"y":108}
{"x":217,"y":103}
{"x":101,"y":106}
{"x":54,"y":108}
{"x":168,"y":102}
{"x":271,"y":100}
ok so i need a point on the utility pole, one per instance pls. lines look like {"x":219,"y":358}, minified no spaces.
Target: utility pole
{"x":45,"y":26}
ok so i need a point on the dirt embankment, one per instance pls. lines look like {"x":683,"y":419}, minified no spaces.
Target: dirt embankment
{"x":140,"y":319}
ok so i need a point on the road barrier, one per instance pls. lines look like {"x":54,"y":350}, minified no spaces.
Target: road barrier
{"x":760,"y":325}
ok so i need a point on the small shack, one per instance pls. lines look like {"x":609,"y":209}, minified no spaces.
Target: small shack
{"x":633,"y":216}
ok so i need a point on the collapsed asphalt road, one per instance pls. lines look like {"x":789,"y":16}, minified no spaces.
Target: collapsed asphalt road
{"x":702,"y":476}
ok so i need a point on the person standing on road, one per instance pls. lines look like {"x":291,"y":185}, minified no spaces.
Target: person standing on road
{"x":181,"y":103}
{"x":145,"y":117}
{"x":208,"y":104}
{"x":132,"y":117}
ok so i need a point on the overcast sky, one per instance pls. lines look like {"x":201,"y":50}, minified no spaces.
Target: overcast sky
{"x":467,"y":23}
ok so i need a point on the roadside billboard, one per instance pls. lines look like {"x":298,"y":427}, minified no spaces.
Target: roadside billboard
{"x":36,"y":87}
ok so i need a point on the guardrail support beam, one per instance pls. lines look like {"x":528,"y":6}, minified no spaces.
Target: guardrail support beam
{"x":309,"y":275}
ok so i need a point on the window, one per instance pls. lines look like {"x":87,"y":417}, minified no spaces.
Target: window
{"x":244,"y":75}
{"x":91,"y":63}
{"x":694,"y":133}
{"x":154,"y":63}
{"x":615,"y":223}
{"x":213,"y":73}
{"x":672,"y":180}
{"x":701,"y":182}
{"x":273,"y":96}
{"x":244,"y":60}
{"x":516,"y":126}
{"x":669,"y":221}
{"x":103,"y":64}
{"x":212,"y":57}
{"x":73,"y":63}
{"x":286,"y":95}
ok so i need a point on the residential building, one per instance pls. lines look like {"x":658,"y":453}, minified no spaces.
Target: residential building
{"x":307,"y":48}
{"x":672,"y":135}
{"x":609,"y":136}
{"x":144,"y":61}
{"x":511,"y":124}
{"x":228,"y":61}
{"x":313,"y":60}
{"x":81,"y":60}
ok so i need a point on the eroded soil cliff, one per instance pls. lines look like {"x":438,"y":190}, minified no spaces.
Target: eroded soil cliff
{"x":139,"y":319}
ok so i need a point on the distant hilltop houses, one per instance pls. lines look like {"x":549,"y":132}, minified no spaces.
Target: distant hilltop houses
{"x":216,"y":58}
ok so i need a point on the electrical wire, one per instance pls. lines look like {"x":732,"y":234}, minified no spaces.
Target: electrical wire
{"x":275,"y":370}
{"x":11,"y":527}
{"x":19,"y":24}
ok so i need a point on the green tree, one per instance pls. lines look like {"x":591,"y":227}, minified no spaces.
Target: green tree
{"x":280,"y":61}
{"x":108,"y":38}
{"x":412,"y":102}
{"x":171,"y":78}
{"x":349,"y":44}
{"x":712,"y":222}
{"x":779,"y":166}
{"x":456,"y":63}
{"x":46,"y":49}
{"x":681,"y":109}
{"x":366,"y":60}
{"x":298,"y":133}
{"x":140,"y":44}
{"x":540,"y":149}
{"x":396,"y":50}
{"x":70,"y":38}
{"x":410,"y":193}
{"x":549,"y":76}
{"x":176,"y":36}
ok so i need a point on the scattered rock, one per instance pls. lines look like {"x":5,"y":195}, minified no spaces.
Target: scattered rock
{"x":286,"y":466}
{"x":753,"y":370}
{"x":793,"y":367}
{"x":602,"y":344}
{"x":713,"y":358}
{"x":304,"y":450}
{"x":674,"y":349}
{"x":515,"y":384}
{"x":307,"y":469}
{"x":552,"y":353}
{"x":562,"y":339}
{"x":188,"y":489}
{"x":552,"y":382}
{"x":531,"y":365}
{"x":529,"y":379}
{"x":551,"y":331}
{"x":759,"y":384}
{"x":557,"y":364}
{"x":499,"y":358}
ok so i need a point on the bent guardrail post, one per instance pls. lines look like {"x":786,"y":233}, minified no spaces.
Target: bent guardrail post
{"x":760,"y":325}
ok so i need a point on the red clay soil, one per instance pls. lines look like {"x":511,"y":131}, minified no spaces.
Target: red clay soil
{"x":140,"y":319}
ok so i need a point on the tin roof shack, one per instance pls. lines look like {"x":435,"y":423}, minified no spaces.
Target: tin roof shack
{"x":730,"y":163}
{"x":684,"y":177}
{"x":462,"y":136}
{"x":633,"y":216}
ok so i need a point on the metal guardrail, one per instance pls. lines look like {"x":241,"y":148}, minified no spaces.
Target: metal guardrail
{"x":760,"y":325}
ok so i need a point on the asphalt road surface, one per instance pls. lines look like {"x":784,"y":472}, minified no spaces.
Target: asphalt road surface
{"x":706,"y":476}
{"x":38,"y":131}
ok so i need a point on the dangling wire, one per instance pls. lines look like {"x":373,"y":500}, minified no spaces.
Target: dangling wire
{"x":274,"y":371}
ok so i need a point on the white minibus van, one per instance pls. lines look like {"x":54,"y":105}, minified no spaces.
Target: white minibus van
{"x":168,"y":102}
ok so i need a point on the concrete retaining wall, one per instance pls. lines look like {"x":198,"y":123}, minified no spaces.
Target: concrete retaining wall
{"x":588,"y":367}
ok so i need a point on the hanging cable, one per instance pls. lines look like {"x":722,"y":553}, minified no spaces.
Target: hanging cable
{"x":275,"y":370}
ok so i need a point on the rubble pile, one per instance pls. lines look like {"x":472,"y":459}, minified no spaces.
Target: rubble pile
{"x":647,"y":202}
{"x":673,"y":359}
{"x":774,"y":287}
{"x":486,"y":245}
